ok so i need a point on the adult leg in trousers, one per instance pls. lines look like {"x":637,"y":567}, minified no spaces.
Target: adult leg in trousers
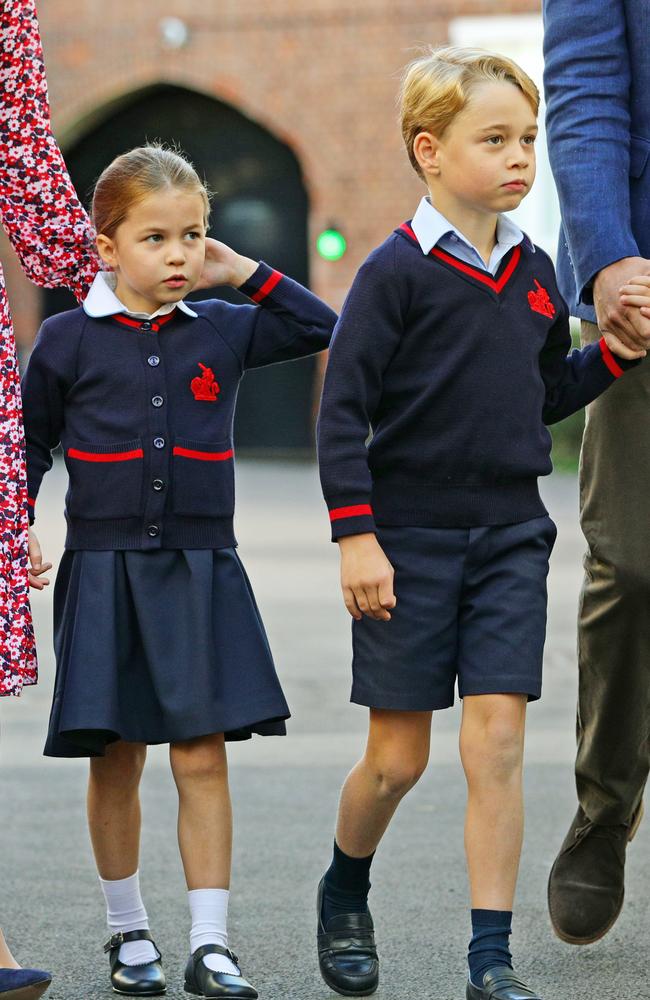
{"x":586,"y":885}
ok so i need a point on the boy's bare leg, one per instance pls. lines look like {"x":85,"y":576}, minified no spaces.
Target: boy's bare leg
{"x":114,"y":817}
{"x":492,"y":746}
{"x":396,"y":754}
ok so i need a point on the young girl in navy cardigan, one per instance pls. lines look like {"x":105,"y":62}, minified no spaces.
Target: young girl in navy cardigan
{"x":157,"y":635}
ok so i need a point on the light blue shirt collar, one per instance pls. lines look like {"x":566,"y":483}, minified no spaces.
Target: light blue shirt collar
{"x":430,"y":225}
{"x":102,"y":301}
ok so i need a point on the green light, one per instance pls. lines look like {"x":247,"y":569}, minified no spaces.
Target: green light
{"x":331,"y":244}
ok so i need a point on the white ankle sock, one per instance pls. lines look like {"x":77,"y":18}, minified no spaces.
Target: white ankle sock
{"x":125,"y":912}
{"x":209,"y":910}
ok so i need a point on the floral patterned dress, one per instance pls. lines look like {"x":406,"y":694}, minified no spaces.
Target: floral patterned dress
{"x":53,"y":237}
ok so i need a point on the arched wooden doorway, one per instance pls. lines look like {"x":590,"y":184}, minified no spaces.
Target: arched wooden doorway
{"x":260,"y":208}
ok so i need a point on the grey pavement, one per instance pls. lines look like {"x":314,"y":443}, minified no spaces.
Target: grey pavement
{"x":285,"y":794}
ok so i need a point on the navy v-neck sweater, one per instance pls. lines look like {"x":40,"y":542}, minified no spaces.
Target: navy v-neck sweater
{"x":457,"y":372}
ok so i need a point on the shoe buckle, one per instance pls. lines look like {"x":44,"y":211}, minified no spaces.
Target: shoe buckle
{"x":233,"y":958}
{"x":114,"y":941}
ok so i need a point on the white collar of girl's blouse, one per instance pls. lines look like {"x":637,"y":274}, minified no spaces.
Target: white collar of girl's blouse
{"x":102,"y":301}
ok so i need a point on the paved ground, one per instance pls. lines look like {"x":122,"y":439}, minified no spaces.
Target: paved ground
{"x":285,"y":793}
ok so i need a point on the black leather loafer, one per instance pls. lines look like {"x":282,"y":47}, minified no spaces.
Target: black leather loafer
{"x":501,"y":983}
{"x":23,"y":984}
{"x":134,"y":980}
{"x":203,"y":982}
{"x":347,"y":954}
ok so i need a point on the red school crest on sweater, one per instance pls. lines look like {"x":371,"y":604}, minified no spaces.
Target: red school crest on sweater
{"x":539,"y":301}
{"x":205,"y":386}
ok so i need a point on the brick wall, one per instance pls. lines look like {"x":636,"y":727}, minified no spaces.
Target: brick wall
{"x":321,"y":75}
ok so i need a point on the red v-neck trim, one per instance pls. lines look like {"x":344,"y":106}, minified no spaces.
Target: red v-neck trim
{"x":474,"y":272}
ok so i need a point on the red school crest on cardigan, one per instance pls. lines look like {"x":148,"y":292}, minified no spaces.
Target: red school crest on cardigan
{"x":205,"y":386}
{"x":540,"y":301}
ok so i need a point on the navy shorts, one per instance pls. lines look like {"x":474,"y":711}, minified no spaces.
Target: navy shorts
{"x":471,"y":604}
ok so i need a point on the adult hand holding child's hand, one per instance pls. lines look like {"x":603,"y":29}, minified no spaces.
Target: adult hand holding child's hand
{"x":625,"y":326}
{"x":366,"y":577}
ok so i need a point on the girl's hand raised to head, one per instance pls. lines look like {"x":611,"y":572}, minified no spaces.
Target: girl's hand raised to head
{"x":36,"y":565}
{"x":224,"y":267}
{"x":366,"y":577}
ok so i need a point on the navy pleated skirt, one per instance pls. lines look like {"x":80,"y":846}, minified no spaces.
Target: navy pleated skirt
{"x":157,"y":647}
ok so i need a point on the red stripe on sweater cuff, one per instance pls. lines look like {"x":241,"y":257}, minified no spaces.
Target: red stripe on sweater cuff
{"x":268,"y":286}
{"x":609,"y":359}
{"x":357,"y":511}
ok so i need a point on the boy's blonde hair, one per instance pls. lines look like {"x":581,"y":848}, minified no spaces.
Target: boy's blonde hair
{"x":134,"y":175}
{"x":437,"y":86}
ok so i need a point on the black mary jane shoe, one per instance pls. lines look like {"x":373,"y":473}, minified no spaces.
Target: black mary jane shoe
{"x":501,"y":983}
{"x":134,"y":980}
{"x":204,"y":982}
{"x":347,"y":954}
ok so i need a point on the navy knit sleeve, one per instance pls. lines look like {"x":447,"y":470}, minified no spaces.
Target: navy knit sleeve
{"x":47,"y":379}
{"x":574,"y":380}
{"x":365,"y":339}
{"x":289,"y":321}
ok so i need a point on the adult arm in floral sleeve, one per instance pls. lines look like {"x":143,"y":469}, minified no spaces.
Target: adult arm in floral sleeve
{"x":40,"y":210}
{"x":54,"y":239}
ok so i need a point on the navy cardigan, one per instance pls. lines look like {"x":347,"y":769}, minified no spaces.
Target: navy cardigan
{"x":144,"y":411}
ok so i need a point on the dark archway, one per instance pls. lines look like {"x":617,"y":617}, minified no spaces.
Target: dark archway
{"x":260,"y":208}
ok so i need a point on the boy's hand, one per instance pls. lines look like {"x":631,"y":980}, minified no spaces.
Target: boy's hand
{"x":224,"y":267}
{"x":36,"y":565}
{"x":366,"y":577}
{"x":616,"y":347}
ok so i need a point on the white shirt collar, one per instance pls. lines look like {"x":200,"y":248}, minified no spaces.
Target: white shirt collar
{"x":102,"y":301}
{"x":430,"y":225}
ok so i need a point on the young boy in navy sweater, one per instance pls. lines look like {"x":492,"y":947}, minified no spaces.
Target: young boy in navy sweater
{"x":452,"y":345}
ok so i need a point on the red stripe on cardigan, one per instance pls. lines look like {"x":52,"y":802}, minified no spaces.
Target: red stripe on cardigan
{"x":268,"y":286}
{"x":116,"y":456}
{"x":609,"y":358}
{"x":357,"y":511}
{"x":204,"y":456}
{"x":137,"y":323}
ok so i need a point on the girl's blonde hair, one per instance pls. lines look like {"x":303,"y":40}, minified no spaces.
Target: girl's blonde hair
{"x":437,"y":86}
{"x":134,"y":175}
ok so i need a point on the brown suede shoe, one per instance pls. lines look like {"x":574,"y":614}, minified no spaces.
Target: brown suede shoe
{"x":587,"y":882}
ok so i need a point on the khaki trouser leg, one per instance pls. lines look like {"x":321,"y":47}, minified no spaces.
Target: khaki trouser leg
{"x":613,"y":723}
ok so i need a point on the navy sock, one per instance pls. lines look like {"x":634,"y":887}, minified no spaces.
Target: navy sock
{"x":489,"y":945}
{"x":347,"y":883}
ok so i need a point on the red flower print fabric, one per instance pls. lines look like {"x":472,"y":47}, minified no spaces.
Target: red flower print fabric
{"x":54,"y":239}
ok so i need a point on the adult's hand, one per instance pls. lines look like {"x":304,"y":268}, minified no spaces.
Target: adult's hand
{"x":626,"y":330}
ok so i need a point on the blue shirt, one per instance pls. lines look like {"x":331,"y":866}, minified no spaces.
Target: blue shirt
{"x":433,"y":229}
